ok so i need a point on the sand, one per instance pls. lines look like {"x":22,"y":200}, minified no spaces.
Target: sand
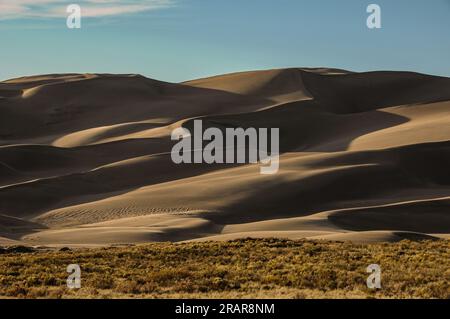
{"x":85,"y":158}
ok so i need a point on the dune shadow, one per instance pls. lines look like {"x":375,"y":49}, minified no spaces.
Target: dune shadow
{"x":306,"y":127}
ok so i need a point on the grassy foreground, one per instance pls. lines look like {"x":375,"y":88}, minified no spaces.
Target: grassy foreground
{"x":238,"y":269}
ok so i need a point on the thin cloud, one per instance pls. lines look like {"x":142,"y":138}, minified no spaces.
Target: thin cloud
{"x":20,"y":9}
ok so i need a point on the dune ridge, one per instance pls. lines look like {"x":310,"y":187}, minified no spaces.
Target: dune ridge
{"x":85,"y":158}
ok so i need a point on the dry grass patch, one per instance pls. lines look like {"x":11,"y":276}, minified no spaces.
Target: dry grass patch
{"x":248,"y":268}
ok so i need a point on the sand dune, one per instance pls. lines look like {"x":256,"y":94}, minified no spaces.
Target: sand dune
{"x":85,"y":158}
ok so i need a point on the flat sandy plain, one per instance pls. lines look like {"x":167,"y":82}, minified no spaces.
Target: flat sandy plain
{"x":85,"y":158}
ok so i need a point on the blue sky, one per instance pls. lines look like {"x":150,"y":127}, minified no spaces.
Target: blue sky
{"x":176,"y":40}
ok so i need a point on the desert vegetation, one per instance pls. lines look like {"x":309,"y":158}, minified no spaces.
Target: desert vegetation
{"x":262,"y":268}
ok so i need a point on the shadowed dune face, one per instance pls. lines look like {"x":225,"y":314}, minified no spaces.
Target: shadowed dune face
{"x":53,"y":108}
{"x":85,"y":158}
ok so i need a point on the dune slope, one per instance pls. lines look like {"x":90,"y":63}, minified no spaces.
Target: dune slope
{"x":85,"y":158}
